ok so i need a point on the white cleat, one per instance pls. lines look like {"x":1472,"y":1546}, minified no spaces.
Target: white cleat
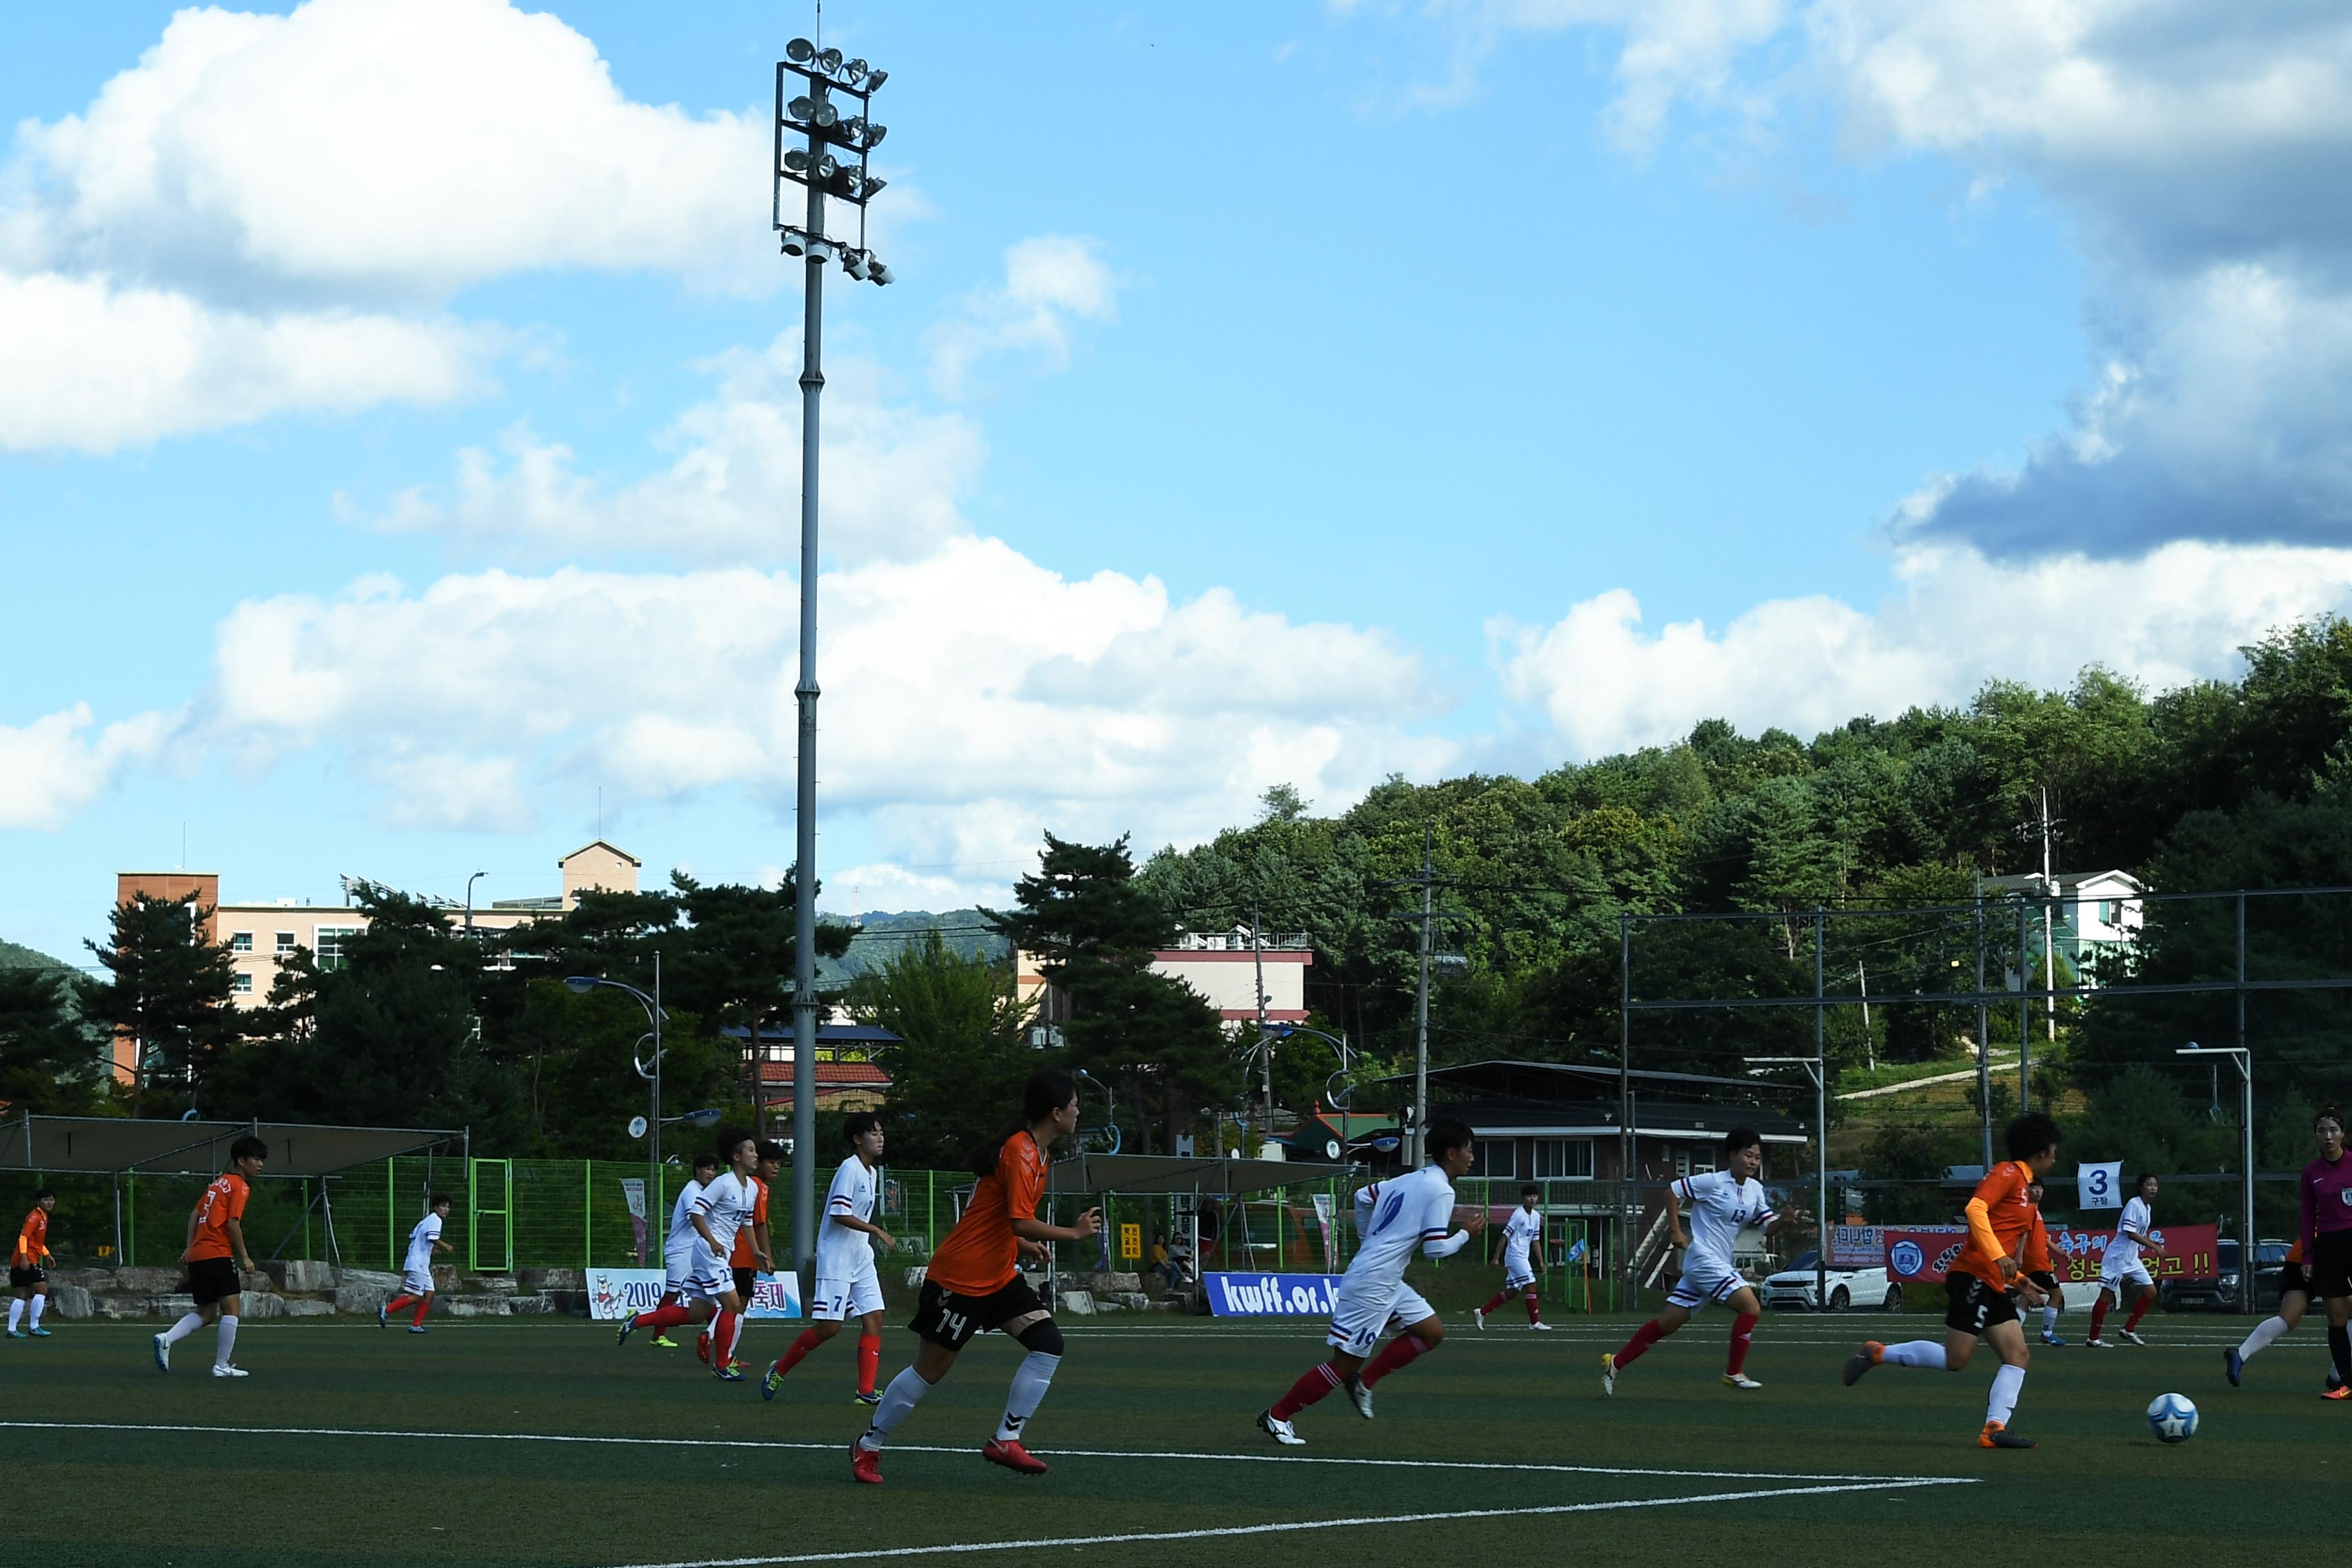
{"x":163,"y":1354}
{"x":1538,"y":1328}
{"x":2096,"y":1345}
{"x":1478,"y":1316}
{"x":226,"y":1371}
{"x":1281,"y":1431}
{"x":2130,"y":1338}
{"x":1360,"y":1396}
{"x":1739,"y":1380}
{"x":1609,"y":1374}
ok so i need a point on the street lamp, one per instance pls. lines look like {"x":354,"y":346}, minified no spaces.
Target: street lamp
{"x":1339,"y":1042}
{"x":1816,"y":1069}
{"x":650,"y":1070}
{"x":832,"y":160}
{"x":2244,"y":1061}
{"x":469,"y":899}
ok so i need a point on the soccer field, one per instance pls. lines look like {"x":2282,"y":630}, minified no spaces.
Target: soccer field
{"x":544,"y":1444}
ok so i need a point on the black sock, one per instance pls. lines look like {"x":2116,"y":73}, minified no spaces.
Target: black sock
{"x":2339,"y":1346}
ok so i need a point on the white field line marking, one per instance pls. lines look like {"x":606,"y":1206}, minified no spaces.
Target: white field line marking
{"x":837,"y":1447}
{"x":1298,"y":1526}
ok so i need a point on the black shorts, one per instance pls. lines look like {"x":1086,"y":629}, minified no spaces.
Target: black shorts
{"x":1973,"y":1307}
{"x":25,"y":1278}
{"x":2292,"y":1280}
{"x":744,"y":1280}
{"x":950,"y":1321}
{"x":2329,"y":1267}
{"x":212,"y":1279}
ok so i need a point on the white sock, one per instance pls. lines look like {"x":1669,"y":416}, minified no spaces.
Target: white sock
{"x":16,"y":1312}
{"x":227,"y":1340}
{"x":39,"y":1302}
{"x":2049,"y":1319}
{"x":905,"y":1392}
{"x":1031,"y":1379}
{"x":2265,"y":1334}
{"x":1915,"y":1353}
{"x":2006,"y":1385}
{"x":183,"y":1329}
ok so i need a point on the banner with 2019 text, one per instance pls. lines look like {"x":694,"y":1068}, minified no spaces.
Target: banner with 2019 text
{"x":1925,"y":1253}
{"x":616,"y":1293}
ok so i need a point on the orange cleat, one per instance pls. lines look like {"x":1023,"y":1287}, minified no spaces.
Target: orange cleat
{"x":1996,"y":1436}
{"x":865,"y":1463}
{"x":2341,"y":1391}
{"x":1009,"y":1453}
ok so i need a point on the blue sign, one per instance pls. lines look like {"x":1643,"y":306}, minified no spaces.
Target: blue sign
{"x":1271,"y":1295}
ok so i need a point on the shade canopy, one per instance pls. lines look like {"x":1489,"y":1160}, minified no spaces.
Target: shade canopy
{"x":1147,"y":1173}
{"x":112,"y":1144}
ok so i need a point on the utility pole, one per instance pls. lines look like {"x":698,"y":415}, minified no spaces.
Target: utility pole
{"x":2048,"y":828}
{"x":1429,"y":917}
{"x":1984,"y":1023}
{"x":1264,"y":1040}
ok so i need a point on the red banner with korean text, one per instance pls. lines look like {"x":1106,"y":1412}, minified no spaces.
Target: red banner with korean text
{"x":1925,"y":1254}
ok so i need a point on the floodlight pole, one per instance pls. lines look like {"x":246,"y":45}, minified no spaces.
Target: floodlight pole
{"x":2243,"y":1061}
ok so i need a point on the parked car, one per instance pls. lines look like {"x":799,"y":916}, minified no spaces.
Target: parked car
{"x":2218,"y":1291}
{"x":1795,"y":1287}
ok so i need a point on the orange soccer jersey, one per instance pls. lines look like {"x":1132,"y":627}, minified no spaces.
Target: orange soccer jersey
{"x":982,"y":1255}
{"x":32,"y":1240}
{"x":741,"y":1258}
{"x":222,"y":1202}
{"x":2004,"y":1223}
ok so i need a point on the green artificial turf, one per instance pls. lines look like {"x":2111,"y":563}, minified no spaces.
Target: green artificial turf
{"x":1137,"y":1427}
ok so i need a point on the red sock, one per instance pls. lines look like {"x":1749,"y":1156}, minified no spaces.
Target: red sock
{"x":669,"y":1317}
{"x":869,"y":1362}
{"x":2098,"y":1315}
{"x":1532,"y":1316}
{"x":2139,"y":1311}
{"x":1320,"y":1379}
{"x":723,"y":1337}
{"x":1496,"y":1301}
{"x":396,"y":1303}
{"x":424,"y":1305}
{"x":1743,"y":1328}
{"x":1645,"y":1336}
{"x":1399,"y":1350}
{"x":799,"y":1347}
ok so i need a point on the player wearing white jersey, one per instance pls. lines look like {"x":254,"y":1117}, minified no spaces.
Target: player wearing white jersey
{"x":1522,"y":1255}
{"x":416,"y":1274}
{"x":716,"y":1214}
{"x":1394,"y":1220}
{"x":848,"y":1284}
{"x":679,"y":1242}
{"x":1721,"y":1203}
{"x":2121,"y":1270}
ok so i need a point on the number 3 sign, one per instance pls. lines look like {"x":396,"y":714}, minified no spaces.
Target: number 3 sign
{"x":2100,"y":1186}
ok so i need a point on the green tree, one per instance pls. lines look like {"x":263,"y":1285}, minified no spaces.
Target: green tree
{"x":962,"y":1054}
{"x":51,"y":1059}
{"x":168,"y":990}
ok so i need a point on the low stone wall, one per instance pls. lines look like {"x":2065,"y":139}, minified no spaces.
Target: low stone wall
{"x":305,"y":1289}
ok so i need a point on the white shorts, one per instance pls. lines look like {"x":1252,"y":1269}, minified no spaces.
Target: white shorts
{"x":2114,"y":1275}
{"x":417,"y":1281}
{"x":838,"y":1301}
{"x":1704,"y":1279}
{"x":707,"y":1279}
{"x":1362,"y":1315}
{"x":1516,"y":1273}
{"x":677,"y":1267}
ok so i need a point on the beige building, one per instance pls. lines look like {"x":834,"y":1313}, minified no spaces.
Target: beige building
{"x":1223,"y":966}
{"x":261,"y":937}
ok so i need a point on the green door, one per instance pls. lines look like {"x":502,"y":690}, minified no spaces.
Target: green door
{"x":490,"y":1233}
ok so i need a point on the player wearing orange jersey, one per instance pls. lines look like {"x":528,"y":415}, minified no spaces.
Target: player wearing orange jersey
{"x":29,"y":1271}
{"x":974,"y":1281}
{"x":215,"y":1251}
{"x":2007,"y":1254}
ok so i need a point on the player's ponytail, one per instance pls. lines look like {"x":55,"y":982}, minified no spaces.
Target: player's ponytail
{"x":1047,"y":1091}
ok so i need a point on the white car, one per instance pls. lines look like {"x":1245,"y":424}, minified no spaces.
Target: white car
{"x":1868,"y":1289}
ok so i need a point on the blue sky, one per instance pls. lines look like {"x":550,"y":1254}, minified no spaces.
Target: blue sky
{"x":398,"y":447}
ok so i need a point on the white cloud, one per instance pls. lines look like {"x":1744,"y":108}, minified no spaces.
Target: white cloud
{"x":399,"y":150}
{"x":89,"y":367}
{"x":1048,"y":280}
{"x":2176,"y":615}
{"x":893,"y":478}
{"x":53,"y":766}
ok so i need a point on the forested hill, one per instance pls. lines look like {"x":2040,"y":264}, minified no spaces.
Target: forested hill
{"x":13,"y":956}
{"x":881,"y":937}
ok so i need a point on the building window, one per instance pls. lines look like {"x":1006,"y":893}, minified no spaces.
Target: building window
{"x":1498,"y":1158}
{"x":285,"y":944}
{"x":240,"y":985}
{"x":1563,"y":1160}
{"x":330,"y":944}
{"x":240,"y":942}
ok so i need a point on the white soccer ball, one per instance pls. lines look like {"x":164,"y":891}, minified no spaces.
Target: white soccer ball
{"x":2172,"y":1418}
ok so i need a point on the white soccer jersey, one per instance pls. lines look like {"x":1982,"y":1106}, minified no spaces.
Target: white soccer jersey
{"x":1396,"y":1218}
{"x":726,"y":1207}
{"x":420,"y":1244}
{"x":1717,"y":1208}
{"x":681,"y":1229}
{"x":843,"y":1254}
{"x":1520,"y":1232}
{"x":2123,"y":1254}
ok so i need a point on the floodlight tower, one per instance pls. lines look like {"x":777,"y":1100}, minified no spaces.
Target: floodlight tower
{"x":829,"y":158}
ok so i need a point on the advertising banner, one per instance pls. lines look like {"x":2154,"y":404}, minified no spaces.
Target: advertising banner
{"x":617,"y":1293}
{"x":1857,"y":1246}
{"x":1925,"y":1254}
{"x":1330,"y":1241}
{"x":1270,"y":1295}
{"x":634,"y":1189}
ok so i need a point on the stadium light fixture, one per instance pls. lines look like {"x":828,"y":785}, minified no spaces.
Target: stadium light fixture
{"x":829,"y":61}
{"x":800,"y":51}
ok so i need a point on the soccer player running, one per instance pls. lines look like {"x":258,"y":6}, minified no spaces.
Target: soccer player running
{"x":848,"y":1284}
{"x":1722,"y":1203}
{"x":719,"y":1211}
{"x":754,"y":1254}
{"x":2326,"y":1232}
{"x":2294,"y":1299}
{"x":215,"y":1251}
{"x":416,"y":1268}
{"x":677,"y":1248}
{"x":1394,"y":1219}
{"x":1522,"y":1252}
{"x":2121,"y":1266}
{"x":974,"y":1282}
{"x":2007,"y":1249}
{"x":29,"y":1271}
{"x":2056,"y":1300}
